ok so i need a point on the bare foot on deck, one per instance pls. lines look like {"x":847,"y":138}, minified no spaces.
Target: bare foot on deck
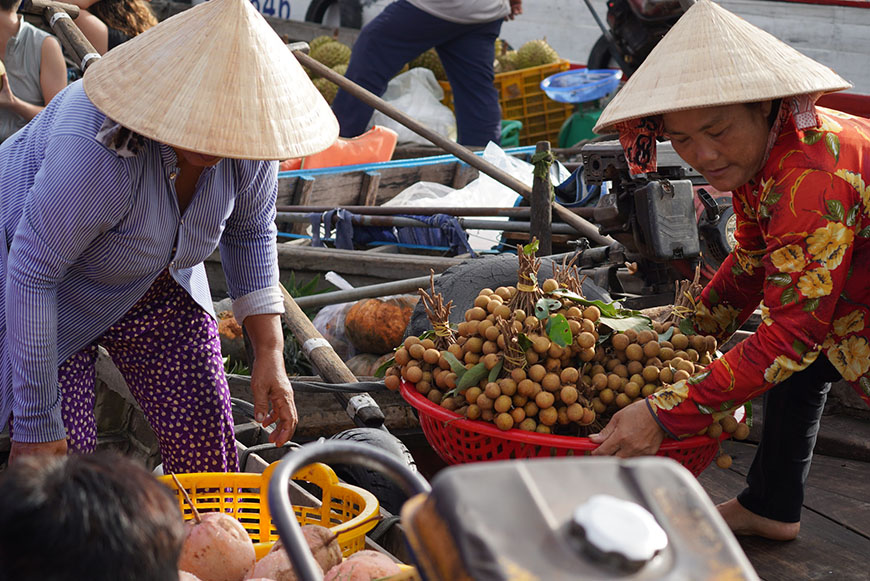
{"x":741,"y":521}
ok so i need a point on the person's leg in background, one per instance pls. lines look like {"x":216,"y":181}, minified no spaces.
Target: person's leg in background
{"x":399,"y":34}
{"x":776,"y":479}
{"x":468,"y":60}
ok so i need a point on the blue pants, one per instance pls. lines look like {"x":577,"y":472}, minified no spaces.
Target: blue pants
{"x":401,"y":33}
{"x":792,"y":411}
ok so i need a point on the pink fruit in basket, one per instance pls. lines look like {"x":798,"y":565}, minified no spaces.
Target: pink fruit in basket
{"x":363,"y":566}
{"x":324,"y":546}
{"x":217,"y":549}
{"x":276,"y":565}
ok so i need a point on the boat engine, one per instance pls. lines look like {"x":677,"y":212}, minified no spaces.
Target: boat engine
{"x":667,"y":222}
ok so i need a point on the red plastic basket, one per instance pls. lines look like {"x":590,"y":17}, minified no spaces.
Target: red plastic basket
{"x":459,"y":441}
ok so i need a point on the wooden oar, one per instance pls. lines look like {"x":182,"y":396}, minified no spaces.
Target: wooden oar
{"x":59,"y":17}
{"x":582,"y":226}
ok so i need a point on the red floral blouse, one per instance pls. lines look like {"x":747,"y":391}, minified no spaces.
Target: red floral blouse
{"x":803,"y":250}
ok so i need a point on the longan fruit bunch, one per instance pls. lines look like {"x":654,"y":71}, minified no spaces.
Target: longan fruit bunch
{"x":538,"y":392}
{"x":545,"y":387}
{"x":634,"y":364}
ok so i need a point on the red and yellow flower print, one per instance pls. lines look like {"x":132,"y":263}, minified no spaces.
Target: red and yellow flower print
{"x":803,"y":238}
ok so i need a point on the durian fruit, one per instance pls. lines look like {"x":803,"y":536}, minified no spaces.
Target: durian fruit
{"x":327,"y":88}
{"x":536,"y":53}
{"x":340,"y":69}
{"x":506,"y":62}
{"x":331,"y":54}
{"x":429,"y":60}
{"x":319,"y":41}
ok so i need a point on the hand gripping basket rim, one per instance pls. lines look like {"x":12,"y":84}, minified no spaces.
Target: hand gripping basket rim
{"x":443,"y":427}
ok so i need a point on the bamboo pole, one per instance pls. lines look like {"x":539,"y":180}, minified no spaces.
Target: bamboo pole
{"x":541,"y":220}
{"x":513,"y":212}
{"x":362,"y":409}
{"x":582,"y":226}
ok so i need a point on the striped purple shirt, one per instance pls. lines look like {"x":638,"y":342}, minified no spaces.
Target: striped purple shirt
{"x":86,"y":233}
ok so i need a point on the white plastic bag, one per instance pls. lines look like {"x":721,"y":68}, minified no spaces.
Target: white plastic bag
{"x":329,"y":320}
{"x":484,"y":192}
{"x":417,"y":94}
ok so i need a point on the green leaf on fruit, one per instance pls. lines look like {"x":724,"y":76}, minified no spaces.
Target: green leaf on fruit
{"x":637,"y":322}
{"x":524,"y":341}
{"x":456,"y":366}
{"x":472,"y":376}
{"x":666,"y":336}
{"x":559,"y":331}
{"x":687,"y":327}
{"x":382,"y":370}
{"x":544,"y":307}
{"x":531,"y":248}
{"x":495,"y":371}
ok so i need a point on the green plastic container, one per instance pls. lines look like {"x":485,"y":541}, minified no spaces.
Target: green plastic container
{"x":579,"y":126}
{"x":510,"y":132}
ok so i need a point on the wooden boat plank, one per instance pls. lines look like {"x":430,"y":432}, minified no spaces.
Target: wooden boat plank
{"x":358,"y":267}
{"x":352,"y":188}
{"x":825,"y":549}
{"x":836,"y":487}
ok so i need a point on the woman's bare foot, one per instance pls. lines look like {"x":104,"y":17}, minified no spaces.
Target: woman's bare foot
{"x":741,"y":521}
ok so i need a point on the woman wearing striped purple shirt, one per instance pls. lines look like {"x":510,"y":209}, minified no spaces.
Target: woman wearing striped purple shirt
{"x":110,"y":200}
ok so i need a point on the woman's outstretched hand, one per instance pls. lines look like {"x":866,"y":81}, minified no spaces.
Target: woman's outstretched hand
{"x":632,"y":431}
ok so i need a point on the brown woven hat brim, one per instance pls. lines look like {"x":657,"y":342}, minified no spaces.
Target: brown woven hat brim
{"x":217,"y":80}
{"x":712,"y":57}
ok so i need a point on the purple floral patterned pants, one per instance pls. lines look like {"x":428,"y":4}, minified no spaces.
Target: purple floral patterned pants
{"x":168,"y":350}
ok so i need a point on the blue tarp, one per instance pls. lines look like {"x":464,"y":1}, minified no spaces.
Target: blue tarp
{"x":444,"y":231}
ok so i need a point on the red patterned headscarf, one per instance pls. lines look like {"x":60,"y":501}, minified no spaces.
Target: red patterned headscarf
{"x":638,"y":136}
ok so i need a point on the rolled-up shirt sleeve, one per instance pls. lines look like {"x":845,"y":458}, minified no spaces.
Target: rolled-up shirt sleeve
{"x":249,"y":254}
{"x":813,"y":218}
{"x":80,"y":191}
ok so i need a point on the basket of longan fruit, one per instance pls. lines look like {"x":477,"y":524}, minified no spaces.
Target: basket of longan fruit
{"x":532,"y":371}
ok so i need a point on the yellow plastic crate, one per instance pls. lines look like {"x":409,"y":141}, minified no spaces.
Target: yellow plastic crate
{"x":349,"y":511}
{"x":522,"y":99}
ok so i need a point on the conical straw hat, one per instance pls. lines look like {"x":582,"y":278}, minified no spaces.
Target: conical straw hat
{"x":217,"y":80}
{"x":712,"y":57}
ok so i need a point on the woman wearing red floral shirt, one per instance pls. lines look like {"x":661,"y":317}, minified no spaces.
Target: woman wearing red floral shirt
{"x":740,"y":110}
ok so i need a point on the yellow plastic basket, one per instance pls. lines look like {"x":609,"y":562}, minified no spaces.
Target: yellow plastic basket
{"x":522,"y":99}
{"x":349,"y":511}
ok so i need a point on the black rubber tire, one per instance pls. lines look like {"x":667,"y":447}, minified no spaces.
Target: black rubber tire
{"x":350,"y":12}
{"x":389,"y":495}
{"x":462,"y":283}
{"x":600,"y":56}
